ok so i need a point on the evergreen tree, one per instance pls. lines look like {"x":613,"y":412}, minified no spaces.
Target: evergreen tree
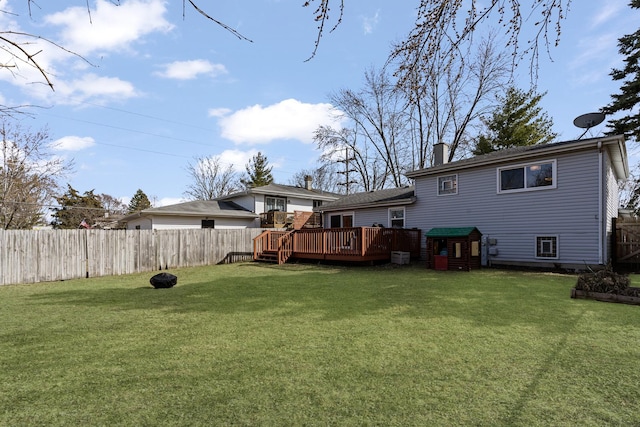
{"x":138,"y":202}
{"x":258,"y":172}
{"x":629,"y":97}
{"x":517,"y":121}
{"x":77,"y":210}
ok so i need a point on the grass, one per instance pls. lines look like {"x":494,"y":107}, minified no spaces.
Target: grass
{"x":255,"y":344}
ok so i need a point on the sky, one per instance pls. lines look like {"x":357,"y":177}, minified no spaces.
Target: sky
{"x":154,"y":86}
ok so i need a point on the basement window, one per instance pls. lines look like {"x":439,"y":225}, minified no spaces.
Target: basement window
{"x":547,"y":247}
{"x":208,"y":223}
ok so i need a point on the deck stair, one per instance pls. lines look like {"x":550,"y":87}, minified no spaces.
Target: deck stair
{"x":267,"y":256}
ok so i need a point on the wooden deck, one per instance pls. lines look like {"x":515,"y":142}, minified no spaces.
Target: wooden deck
{"x":336,"y":244}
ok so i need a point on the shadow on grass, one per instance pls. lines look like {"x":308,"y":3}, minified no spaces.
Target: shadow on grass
{"x":487,"y":297}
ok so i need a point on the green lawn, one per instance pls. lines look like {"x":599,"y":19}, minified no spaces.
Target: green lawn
{"x":255,"y":344}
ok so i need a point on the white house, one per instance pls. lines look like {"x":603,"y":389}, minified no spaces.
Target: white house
{"x":285,"y":198}
{"x":195,"y":214}
{"x":237,"y":210}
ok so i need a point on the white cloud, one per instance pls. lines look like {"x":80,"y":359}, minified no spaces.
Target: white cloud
{"x":73,"y":143}
{"x":167,"y":201}
{"x":92,"y":87}
{"x":109,"y":27}
{"x":607,"y":12}
{"x":236,"y":158}
{"x":105,"y":28}
{"x":219,"y":112}
{"x":369,"y":23}
{"x":288,"y":119}
{"x":186,"y":70}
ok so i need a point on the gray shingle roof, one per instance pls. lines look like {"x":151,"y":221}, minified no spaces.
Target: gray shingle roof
{"x":286,"y":190}
{"x":532,"y":151}
{"x":211,"y":208}
{"x":387,"y":197}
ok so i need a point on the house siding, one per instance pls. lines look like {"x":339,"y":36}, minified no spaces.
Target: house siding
{"x":569,"y":211}
{"x":297,"y":204}
{"x":612,"y":203}
{"x":293,"y":203}
{"x":181,"y":222}
{"x":361,"y":217}
{"x":366,"y":217}
{"x":248,"y":202}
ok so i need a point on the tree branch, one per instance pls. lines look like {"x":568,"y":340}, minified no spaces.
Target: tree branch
{"x":223,"y":25}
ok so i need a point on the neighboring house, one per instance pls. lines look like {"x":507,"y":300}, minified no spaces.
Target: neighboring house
{"x":384,"y":208}
{"x":545,"y":205}
{"x":195,"y":214}
{"x":238,"y":210}
{"x":284,"y":198}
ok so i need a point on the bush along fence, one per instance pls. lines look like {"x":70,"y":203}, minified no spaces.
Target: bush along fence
{"x":30,"y":256}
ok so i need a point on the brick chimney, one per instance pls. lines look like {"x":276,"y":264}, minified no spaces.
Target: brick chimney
{"x":307,"y":182}
{"x":440,"y":154}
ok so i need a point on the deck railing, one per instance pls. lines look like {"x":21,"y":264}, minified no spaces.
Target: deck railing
{"x":285,"y":247}
{"x":357,"y":243}
{"x":267,"y":241}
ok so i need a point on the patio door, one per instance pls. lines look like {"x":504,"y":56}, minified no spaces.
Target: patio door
{"x":341,"y":220}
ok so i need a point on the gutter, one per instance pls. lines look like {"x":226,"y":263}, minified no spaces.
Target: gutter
{"x":601,"y":217}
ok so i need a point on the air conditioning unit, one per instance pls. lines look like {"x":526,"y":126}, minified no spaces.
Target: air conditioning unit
{"x":398,"y":257}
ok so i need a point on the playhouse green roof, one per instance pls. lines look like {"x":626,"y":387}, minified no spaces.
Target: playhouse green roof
{"x":450,"y":231}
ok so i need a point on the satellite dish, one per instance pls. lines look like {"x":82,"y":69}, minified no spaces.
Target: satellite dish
{"x":587,"y":121}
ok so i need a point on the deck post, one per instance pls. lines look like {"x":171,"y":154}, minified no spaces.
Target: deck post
{"x":362,"y":240}
{"x":324,"y":241}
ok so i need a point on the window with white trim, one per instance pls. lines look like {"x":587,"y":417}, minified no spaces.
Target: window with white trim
{"x":447,"y":184}
{"x":275,"y":204}
{"x":533,"y":176}
{"x":396,"y":217}
{"x":547,"y":247}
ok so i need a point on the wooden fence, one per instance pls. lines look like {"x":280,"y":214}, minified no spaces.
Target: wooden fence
{"x":626,"y":244}
{"x":29,"y":256}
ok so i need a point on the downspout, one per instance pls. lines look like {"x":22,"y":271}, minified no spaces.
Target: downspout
{"x":600,"y":208}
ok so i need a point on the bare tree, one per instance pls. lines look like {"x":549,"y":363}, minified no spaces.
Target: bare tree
{"x":210,"y":179}
{"x":376,"y":118}
{"x":344,"y":146}
{"x":112,"y":205}
{"x":29,"y":174}
{"x":445,"y":27}
{"x":323,"y":178}
{"x":446,"y":98}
